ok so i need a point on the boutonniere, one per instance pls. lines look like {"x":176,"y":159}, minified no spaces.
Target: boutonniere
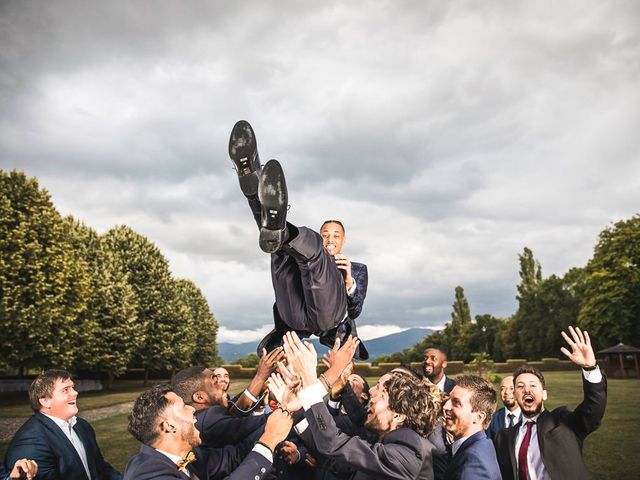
{"x":182,"y":464}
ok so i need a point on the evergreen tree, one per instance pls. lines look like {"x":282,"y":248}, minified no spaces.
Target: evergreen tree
{"x":43,"y":284}
{"x":148,"y":274}
{"x":109,"y":332}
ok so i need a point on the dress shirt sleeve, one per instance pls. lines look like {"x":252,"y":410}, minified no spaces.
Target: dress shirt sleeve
{"x":311,"y":395}
{"x":592,"y":376}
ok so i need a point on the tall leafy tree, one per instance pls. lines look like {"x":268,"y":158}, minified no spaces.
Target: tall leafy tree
{"x":43,"y":284}
{"x":546,"y":307}
{"x":110,"y":332}
{"x":148,"y":274}
{"x":461,"y":312}
{"x":610,"y":291}
{"x":205,"y":351}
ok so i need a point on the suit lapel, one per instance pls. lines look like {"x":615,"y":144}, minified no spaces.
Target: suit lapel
{"x":89,"y":445}
{"x":512,"y":433}
{"x":63,"y":441}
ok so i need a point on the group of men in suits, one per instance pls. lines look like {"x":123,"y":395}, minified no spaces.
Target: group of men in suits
{"x":190,"y":429}
{"x":403,"y":436}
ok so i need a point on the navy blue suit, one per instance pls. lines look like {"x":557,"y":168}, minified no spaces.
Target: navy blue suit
{"x":448,"y":385}
{"x":217,"y":428}
{"x":498,"y":423}
{"x":40,"y":439}
{"x":149,"y":464}
{"x":475,"y":459}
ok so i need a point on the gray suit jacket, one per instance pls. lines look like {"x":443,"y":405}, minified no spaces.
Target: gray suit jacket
{"x":402,"y":454}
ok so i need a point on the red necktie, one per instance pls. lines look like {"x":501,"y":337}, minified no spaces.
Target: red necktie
{"x":523,"y":471}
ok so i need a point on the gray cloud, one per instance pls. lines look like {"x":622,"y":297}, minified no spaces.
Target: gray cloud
{"x":446,"y":135}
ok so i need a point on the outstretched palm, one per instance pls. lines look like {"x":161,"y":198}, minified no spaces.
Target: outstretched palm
{"x":581,"y":350}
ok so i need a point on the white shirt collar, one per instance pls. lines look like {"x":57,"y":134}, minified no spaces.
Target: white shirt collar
{"x":517,"y":413}
{"x":174,"y":458}
{"x":64,"y":424}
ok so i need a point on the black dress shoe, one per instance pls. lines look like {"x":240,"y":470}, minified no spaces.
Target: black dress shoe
{"x":243,"y":150}
{"x":272,"y":193}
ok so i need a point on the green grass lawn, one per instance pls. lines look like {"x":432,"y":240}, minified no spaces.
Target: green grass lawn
{"x":611,"y":452}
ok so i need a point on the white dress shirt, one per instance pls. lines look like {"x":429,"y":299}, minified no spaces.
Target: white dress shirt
{"x":440,"y":384}
{"x":70,"y":433}
{"x":517,"y":413}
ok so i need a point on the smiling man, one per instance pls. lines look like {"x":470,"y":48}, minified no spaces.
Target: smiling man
{"x":467,"y":413}
{"x":548,"y":444}
{"x":63,"y":445}
{"x":402,"y":412}
{"x":171,"y":443}
{"x":434,"y":365}
{"x":318,"y":290}
{"x":509,"y":415}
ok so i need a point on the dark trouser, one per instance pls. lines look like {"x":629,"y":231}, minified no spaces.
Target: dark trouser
{"x":310,"y":292}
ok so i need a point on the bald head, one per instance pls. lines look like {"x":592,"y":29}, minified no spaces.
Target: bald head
{"x":506,"y":393}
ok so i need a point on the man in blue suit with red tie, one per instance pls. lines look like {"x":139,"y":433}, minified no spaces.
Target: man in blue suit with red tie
{"x":63,"y":445}
{"x":312,"y":295}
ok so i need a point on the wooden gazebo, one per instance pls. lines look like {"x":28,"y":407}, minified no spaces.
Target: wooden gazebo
{"x":620,"y":361}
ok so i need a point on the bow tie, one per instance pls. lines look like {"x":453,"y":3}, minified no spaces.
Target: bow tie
{"x":182,"y":464}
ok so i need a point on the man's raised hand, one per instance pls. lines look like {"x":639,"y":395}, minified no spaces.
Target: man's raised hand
{"x":269,"y":362}
{"x":302,"y":358}
{"x":581,"y":350}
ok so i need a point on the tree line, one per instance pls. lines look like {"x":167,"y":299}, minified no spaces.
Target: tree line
{"x":602,"y":297}
{"x":76,"y":299}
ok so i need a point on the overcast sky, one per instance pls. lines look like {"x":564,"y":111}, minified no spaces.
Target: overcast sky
{"x":447,"y":136}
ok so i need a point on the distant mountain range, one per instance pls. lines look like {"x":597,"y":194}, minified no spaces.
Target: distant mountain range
{"x":395,"y":342}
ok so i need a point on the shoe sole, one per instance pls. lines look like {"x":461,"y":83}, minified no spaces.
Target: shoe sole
{"x":274,"y":200}
{"x":243,"y":151}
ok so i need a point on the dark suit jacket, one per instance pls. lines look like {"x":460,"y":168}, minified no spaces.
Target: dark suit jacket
{"x":40,"y":439}
{"x":497,"y":423}
{"x":475,"y":459}
{"x":150,"y":464}
{"x":361,"y":277}
{"x":561,"y":434}
{"x":448,"y":385}
{"x":218,"y":428}
{"x":402,"y":453}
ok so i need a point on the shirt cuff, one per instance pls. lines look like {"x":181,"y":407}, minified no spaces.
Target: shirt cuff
{"x":593,"y":376}
{"x":250,"y":395}
{"x":264,"y":451}
{"x":335,"y":404}
{"x":351,"y":291}
{"x":301,"y":426}
{"x":311,"y":395}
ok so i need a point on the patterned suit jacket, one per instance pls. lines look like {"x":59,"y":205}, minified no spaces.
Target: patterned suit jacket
{"x":361,"y":277}
{"x":40,"y":439}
